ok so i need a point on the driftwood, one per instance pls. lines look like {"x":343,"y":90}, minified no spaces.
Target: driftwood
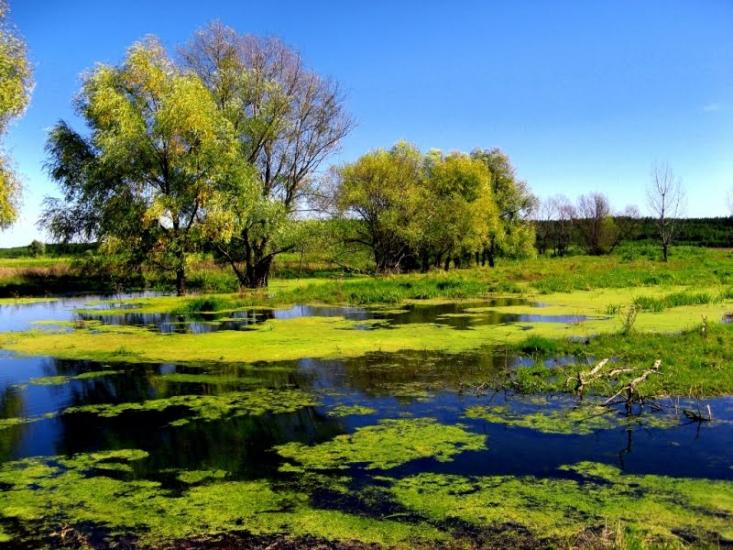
{"x":698,"y":416}
{"x":585,"y":378}
{"x":630,"y":389}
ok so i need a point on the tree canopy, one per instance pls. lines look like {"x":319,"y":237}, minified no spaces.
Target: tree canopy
{"x":156,"y":168}
{"x":428,"y":209}
{"x":15,"y":90}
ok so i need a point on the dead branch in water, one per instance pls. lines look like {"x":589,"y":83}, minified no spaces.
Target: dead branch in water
{"x":585,"y":378}
{"x":630,"y":389}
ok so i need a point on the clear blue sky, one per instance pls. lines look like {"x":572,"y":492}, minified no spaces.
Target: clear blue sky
{"x":583,"y":95}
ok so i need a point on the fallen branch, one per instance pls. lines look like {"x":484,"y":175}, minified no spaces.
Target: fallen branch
{"x":630,"y":388}
{"x":585,"y":378}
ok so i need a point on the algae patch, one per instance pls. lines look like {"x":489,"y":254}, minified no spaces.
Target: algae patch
{"x":582,"y":419}
{"x":386,"y":445}
{"x":350,"y":410}
{"x":659,"y":507}
{"x":45,"y":494}
{"x":211,"y":407}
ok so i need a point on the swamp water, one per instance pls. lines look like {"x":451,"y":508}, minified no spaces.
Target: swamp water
{"x":396,"y":449}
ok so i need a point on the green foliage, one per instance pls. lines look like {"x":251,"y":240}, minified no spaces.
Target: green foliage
{"x":537,"y":345}
{"x":149,"y":182}
{"x":15,"y":90}
{"x":428,"y":210}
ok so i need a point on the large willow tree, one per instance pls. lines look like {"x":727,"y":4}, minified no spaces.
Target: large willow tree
{"x":287,"y":120}
{"x":150,"y":179}
{"x":15,"y":89}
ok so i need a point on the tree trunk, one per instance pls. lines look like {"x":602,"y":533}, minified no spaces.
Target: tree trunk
{"x":257,"y":274}
{"x":180,"y":280}
{"x":665,"y":250}
{"x":446,"y":266}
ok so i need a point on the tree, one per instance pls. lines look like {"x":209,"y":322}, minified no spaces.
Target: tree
{"x":628,"y":223}
{"x":666,"y":198}
{"x":595,"y":223}
{"x":156,"y":168}
{"x":37,"y":248}
{"x":381,"y":190}
{"x":456,"y":211}
{"x":514,"y":235}
{"x":287,"y":120}
{"x":15,"y":90}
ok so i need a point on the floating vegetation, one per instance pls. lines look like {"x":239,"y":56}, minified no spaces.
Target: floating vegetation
{"x":207,"y":379}
{"x":350,"y":410}
{"x":57,"y":491}
{"x":582,"y":419}
{"x":20,"y":420}
{"x":390,"y":443}
{"x":191,"y":477}
{"x":663,"y":509}
{"x":60,"y":379}
{"x":211,"y":407}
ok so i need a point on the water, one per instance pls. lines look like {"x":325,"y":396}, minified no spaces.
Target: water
{"x":385,"y":386}
{"x":461,"y":316}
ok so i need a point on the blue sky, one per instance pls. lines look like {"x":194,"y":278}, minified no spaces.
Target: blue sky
{"x":583,"y":95}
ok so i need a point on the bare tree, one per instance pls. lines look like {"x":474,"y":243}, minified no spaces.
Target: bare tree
{"x":564,"y":215}
{"x":595,"y":223}
{"x":666,"y":198}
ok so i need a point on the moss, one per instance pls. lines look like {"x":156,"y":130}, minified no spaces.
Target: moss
{"x":657,"y":507}
{"x":349,"y":410}
{"x":211,"y":407}
{"x":385,"y":445}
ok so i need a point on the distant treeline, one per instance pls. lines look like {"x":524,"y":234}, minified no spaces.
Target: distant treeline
{"x":37,"y":248}
{"x":709,"y":232}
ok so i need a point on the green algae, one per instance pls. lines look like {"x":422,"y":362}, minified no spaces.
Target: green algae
{"x":390,"y":443}
{"x":349,"y":410}
{"x":324,"y":337}
{"x":192,"y":477}
{"x":57,"y":491}
{"x":49,"y":380}
{"x":206,"y":378}
{"x":661,"y":508}
{"x":14,"y":421}
{"x":211,"y":407}
{"x":59,"y":380}
{"x":582,"y":419}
